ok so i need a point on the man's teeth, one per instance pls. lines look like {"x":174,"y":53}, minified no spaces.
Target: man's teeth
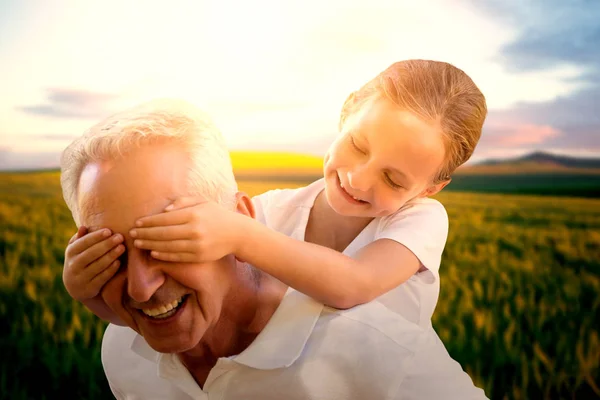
{"x":164,"y":310}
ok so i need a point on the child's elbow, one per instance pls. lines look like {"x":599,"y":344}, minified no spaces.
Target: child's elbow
{"x":342,"y":304}
{"x":348,"y":300}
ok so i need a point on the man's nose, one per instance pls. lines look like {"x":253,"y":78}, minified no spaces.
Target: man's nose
{"x":358,"y":178}
{"x":143,"y":278}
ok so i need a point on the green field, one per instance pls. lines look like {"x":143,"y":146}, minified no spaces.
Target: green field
{"x":550,"y":184}
{"x":519,"y":306}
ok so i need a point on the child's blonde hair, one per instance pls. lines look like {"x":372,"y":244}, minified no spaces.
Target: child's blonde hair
{"x":437,"y":92}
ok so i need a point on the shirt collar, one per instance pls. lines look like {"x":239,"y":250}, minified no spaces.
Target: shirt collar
{"x":143,"y":349}
{"x":282,"y":340}
{"x":278,"y":345}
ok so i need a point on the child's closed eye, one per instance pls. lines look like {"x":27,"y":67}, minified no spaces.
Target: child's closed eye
{"x":391,"y":182}
{"x":356,"y":146}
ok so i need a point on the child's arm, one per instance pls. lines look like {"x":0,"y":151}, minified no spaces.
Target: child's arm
{"x":91,"y":259}
{"x":325,"y":274}
{"x":206,"y":232}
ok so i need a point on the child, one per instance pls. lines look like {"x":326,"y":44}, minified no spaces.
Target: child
{"x":367,"y":230}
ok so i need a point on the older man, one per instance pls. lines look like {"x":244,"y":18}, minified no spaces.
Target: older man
{"x":224,"y":330}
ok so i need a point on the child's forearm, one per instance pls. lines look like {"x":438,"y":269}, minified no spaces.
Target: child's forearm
{"x":317,"y":271}
{"x":102,"y":311}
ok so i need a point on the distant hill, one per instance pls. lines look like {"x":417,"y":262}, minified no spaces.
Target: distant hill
{"x":547,"y":158}
{"x":535,"y":174}
{"x":537,"y":162}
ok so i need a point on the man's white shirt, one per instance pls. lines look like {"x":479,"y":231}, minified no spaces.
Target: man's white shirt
{"x":306,"y":351}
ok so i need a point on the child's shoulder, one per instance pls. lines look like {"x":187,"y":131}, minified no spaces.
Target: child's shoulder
{"x":423,"y":204}
{"x":422,"y":226}
{"x":427,"y":209}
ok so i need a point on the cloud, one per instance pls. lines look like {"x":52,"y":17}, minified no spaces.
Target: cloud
{"x":10,"y":160}
{"x":575,"y":117}
{"x":549,"y":35}
{"x":72,"y":103}
{"x":517,"y":134}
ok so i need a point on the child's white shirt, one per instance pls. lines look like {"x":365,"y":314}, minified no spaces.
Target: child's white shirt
{"x":421,"y":226}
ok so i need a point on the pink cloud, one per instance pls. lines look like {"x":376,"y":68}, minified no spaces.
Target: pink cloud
{"x":517,"y":134}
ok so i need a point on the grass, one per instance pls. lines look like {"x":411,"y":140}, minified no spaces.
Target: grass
{"x":519,"y":305}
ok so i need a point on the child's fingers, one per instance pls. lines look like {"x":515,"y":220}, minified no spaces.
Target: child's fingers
{"x":172,"y":232}
{"x":177,"y":217}
{"x":170,"y":246}
{"x":82,"y":231}
{"x":87,"y":241}
{"x":93,"y":253}
{"x":75,"y":236}
{"x":174,"y":257}
{"x":95,"y":284}
{"x":101,"y":263}
{"x":186,"y":201}
{"x":104,"y":276}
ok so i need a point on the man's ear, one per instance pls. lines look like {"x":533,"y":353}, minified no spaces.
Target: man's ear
{"x":434,"y":189}
{"x":244,"y":205}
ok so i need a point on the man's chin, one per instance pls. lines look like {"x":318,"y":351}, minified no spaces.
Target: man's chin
{"x":171,"y":346}
{"x":176,"y":341}
{"x":173,"y":339}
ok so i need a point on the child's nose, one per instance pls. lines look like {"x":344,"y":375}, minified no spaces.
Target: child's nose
{"x":359,"y":179}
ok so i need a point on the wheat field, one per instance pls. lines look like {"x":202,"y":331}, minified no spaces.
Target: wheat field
{"x":519,"y":305}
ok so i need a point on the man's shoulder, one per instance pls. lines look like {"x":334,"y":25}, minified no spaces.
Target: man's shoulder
{"x":378,"y":323}
{"x":116,"y":345}
{"x":400,"y":356}
{"x":132,"y":367}
{"x":119,"y":336}
{"x":364,"y":352}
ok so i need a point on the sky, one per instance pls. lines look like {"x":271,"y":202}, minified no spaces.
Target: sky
{"x":274,"y":74}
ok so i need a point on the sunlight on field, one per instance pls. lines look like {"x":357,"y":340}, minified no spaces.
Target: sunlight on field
{"x":273,"y":160}
{"x":518,"y":308}
{"x":252,"y":188}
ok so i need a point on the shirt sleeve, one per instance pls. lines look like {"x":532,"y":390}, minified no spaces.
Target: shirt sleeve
{"x":433,"y":374}
{"x":118,"y":395}
{"x":423,"y":228}
{"x":261,"y":206}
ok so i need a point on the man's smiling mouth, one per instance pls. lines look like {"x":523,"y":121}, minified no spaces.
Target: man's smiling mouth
{"x":165,"y":310}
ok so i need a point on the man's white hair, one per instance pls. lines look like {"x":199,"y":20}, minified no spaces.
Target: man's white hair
{"x":174,"y":121}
